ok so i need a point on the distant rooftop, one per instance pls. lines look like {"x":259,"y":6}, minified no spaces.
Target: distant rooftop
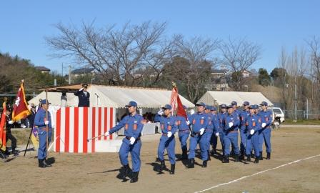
{"x":42,"y":68}
{"x":82,"y":71}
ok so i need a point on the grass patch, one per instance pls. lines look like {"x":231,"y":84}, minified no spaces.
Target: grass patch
{"x":301,"y":122}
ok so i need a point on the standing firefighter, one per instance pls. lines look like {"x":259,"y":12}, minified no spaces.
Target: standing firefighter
{"x":167,"y":140}
{"x":199,"y":122}
{"x":43,"y":121}
{"x":216,"y":130}
{"x":265,"y":132}
{"x":133,"y":125}
{"x":9,"y":136}
{"x":84,"y":96}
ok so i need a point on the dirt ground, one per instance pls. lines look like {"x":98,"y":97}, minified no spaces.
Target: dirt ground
{"x":98,"y":172}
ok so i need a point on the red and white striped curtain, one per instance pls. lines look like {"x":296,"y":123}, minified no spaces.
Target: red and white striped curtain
{"x":74,"y":125}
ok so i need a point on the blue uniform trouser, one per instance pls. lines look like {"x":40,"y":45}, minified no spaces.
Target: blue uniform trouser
{"x":42,"y":151}
{"x":203,"y":147}
{"x":208,"y":135}
{"x":252,"y":143}
{"x":214,"y":141}
{"x":135,"y":154}
{"x":265,"y":136}
{"x":183,"y":137}
{"x":243,"y":136}
{"x":169,"y":144}
{"x":231,"y":139}
{"x":221,"y":136}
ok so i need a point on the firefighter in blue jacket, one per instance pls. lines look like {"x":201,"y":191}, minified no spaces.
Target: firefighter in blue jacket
{"x":184,"y":132}
{"x":265,"y":132}
{"x":198,"y":122}
{"x":216,"y":130}
{"x":133,"y":125}
{"x":44,"y":125}
{"x":167,"y":140}
{"x":243,"y":135}
{"x":231,"y":123}
{"x":221,"y":115}
{"x":253,"y":122}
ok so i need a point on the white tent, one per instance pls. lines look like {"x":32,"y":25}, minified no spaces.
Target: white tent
{"x":117,"y":97}
{"x":226,"y":97}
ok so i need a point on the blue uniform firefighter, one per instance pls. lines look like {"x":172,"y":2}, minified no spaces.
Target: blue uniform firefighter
{"x":265,"y":132}
{"x":184,"y":132}
{"x":209,"y":129}
{"x":216,"y":130}
{"x":167,"y":141}
{"x":253,"y":122}
{"x":221,"y":115}
{"x":42,"y":121}
{"x":83,"y":96}
{"x":243,"y":135}
{"x":231,"y":123}
{"x":133,"y":125}
{"x":198,"y":122}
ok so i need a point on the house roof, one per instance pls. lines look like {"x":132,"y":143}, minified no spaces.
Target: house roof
{"x":42,"y":68}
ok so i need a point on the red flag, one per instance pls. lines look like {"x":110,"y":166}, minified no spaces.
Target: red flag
{"x":20,"y":108}
{"x":176,"y":103}
{"x":3,"y":128}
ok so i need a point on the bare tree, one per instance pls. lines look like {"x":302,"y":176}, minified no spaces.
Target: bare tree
{"x":192,"y":65}
{"x":314,"y":51}
{"x":238,"y":55}
{"x":116,"y":54}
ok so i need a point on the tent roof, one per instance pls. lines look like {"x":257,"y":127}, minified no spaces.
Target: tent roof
{"x":120,"y":96}
{"x":114,"y":96}
{"x":54,"y":98}
{"x":226,"y":97}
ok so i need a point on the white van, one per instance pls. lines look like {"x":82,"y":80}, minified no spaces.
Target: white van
{"x":278,"y":116}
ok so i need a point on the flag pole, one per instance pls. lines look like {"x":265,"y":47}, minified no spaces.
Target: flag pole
{"x":47,"y":126}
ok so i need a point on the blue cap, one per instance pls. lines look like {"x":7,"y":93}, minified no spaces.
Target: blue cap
{"x":213,"y":108}
{"x":201,"y":104}
{"x":208,"y":107}
{"x":252,"y":107}
{"x":167,"y":106}
{"x":132,"y":104}
{"x":223,"y":106}
{"x":229,"y":106}
{"x":246,"y":103}
{"x":234,"y":103}
{"x":264,"y":103}
{"x":44,"y":101}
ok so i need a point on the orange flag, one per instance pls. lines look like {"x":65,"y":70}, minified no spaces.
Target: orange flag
{"x":20,"y":108}
{"x":3,"y":140}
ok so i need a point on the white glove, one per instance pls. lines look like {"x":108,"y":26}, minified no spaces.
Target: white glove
{"x":251,"y":132}
{"x":107,"y":134}
{"x":188,"y":122}
{"x":201,"y":131}
{"x":10,"y":122}
{"x":160,"y":112}
{"x":46,"y":122}
{"x":263,"y":125}
{"x":81,"y":89}
{"x":169,"y":134}
{"x":230,"y":124}
{"x":217,"y":134}
{"x":132,"y":140}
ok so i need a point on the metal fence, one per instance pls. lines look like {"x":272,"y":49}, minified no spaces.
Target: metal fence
{"x":302,"y":114}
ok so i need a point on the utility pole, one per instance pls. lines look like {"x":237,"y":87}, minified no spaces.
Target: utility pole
{"x":295,"y":99}
{"x":69,"y":74}
{"x":62,"y":69}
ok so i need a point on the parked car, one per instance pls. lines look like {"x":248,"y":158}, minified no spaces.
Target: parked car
{"x":278,"y":116}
